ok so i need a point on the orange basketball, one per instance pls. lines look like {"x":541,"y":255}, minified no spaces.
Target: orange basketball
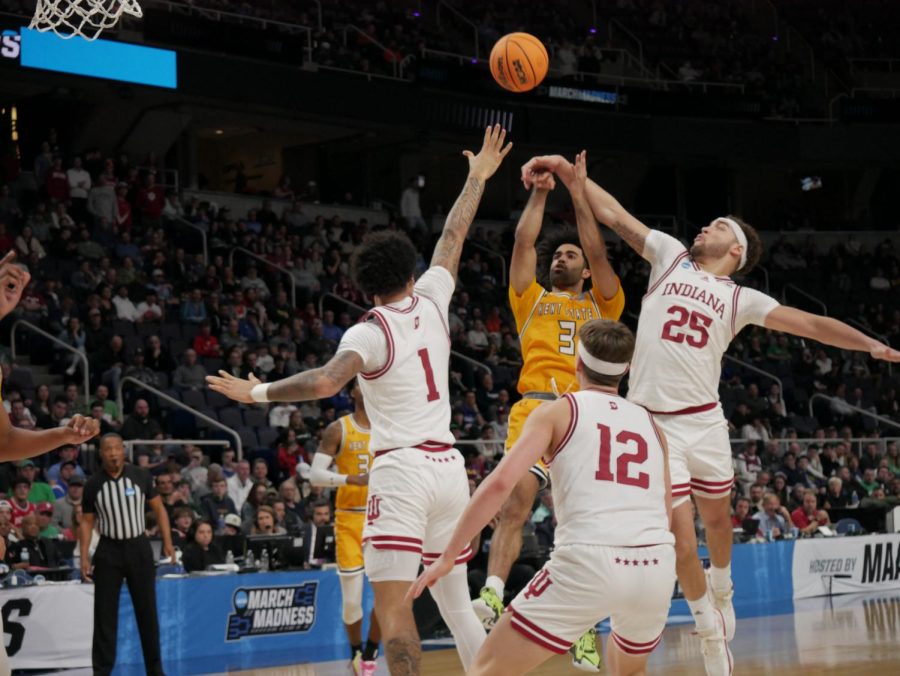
{"x":519,"y":62}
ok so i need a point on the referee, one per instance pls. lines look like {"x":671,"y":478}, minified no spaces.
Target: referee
{"x":116,"y":498}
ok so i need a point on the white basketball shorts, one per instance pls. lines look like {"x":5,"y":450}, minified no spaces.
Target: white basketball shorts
{"x":415,"y":500}
{"x":583,"y":584}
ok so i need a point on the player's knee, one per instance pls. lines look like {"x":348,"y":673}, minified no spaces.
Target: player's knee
{"x":352,"y":612}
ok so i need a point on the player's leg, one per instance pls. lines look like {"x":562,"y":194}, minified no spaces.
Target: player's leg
{"x":402,"y":648}
{"x":370,"y":650}
{"x":451,"y":593}
{"x":640,"y":596}
{"x":506,"y":544}
{"x":348,"y":528}
{"x":506,"y":652}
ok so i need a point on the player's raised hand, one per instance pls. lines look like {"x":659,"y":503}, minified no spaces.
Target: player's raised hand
{"x":488,"y":160}
{"x":441,"y":567}
{"x":13,"y":280}
{"x":80,"y":429}
{"x":544,"y":182}
{"x":543,"y":164}
{"x":575,"y":178}
{"x":237,"y":389}
{"x":885,"y":353}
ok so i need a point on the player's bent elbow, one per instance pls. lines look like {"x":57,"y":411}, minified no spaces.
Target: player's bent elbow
{"x":325,"y":387}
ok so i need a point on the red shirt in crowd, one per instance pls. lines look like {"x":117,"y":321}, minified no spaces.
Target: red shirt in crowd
{"x":206,"y":346}
{"x":19,"y":513}
{"x":57,"y":185}
{"x":801,"y":519}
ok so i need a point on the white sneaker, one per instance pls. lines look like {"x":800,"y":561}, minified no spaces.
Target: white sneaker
{"x":717,"y":657}
{"x":722,"y":601}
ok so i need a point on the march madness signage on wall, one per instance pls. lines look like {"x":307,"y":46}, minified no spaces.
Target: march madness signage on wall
{"x":846,"y":565}
{"x":261,"y":611}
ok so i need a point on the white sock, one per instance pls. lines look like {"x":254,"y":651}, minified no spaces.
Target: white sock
{"x":704,"y":614}
{"x":496,"y":584}
{"x":720,"y":578}
{"x":451,"y":594}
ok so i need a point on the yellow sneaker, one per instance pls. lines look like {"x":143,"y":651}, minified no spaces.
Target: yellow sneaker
{"x":585,"y":653}
{"x":488,"y":607}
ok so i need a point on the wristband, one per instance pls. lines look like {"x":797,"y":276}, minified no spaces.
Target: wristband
{"x":260,"y":393}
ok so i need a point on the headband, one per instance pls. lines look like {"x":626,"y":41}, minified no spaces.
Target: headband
{"x":741,"y":238}
{"x":604,"y":368}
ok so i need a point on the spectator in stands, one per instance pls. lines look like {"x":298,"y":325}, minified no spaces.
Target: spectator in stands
{"x":240,"y":484}
{"x":64,"y":507}
{"x":871,"y":458}
{"x":40,"y":491}
{"x":182,"y":520}
{"x":255,"y":498}
{"x":217,"y":505}
{"x":32,"y":542}
{"x":193,"y":309}
{"x":140,"y":371}
{"x":125,"y":307}
{"x":44,"y":514}
{"x":151,"y":200}
{"x":868,"y":482}
{"x":21,"y":417}
{"x":206,"y":344}
{"x":774,"y":520}
{"x":101,"y":417}
{"x":79,"y":185}
{"x":252,"y":280}
{"x":741,"y":512}
{"x":290,"y":495}
{"x":410,"y":209}
{"x":190,"y":375}
{"x":285,"y":518}
{"x":66,"y":472}
{"x":261,"y":472}
{"x":228,"y":464}
{"x":140,"y":425}
{"x":807,"y":518}
{"x":264,"y":522}
{"x":66,"y":454}
{"x":202,"y":552}
{"x":748,"y":466}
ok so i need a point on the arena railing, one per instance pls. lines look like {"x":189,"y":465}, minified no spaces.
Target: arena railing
{"x":458,"y":355}
{"x":238,"y":444}
{"x":443,"y":4}
{"x":369,"y":38}
{"x":860,"y":411}
{"x":796,"y":289}
{"x":492,"y":254}
{"x":202,"y":232}
{"x":755,"y":369}
{"x":131,"y":443}
{"x":26,"y":325}
{"x":269,"y":263}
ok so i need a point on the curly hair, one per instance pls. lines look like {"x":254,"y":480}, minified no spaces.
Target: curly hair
{"x":754,"y":245}
{"x":548,"y":245}
{"x":384,"y":263}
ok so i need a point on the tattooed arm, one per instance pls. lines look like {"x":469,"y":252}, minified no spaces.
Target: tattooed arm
{"x":319,"y":383}
{"x":481,"y":167}
{"x":606,"y":208}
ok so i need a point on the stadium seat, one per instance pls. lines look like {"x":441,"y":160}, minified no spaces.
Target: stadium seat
{"x":177,"y":346}
{"x":211,"y":364}
{"x":248,"y":438}
{"x":231,"y":417}
{"x":193,"y":398}
{"x":169,"y":331}
{"x":268,"y":436}
{"x":256,"y":418}
{"x":21,"y":379}
{"x":217,"y":400}
{"x":124,"y":328}
{"x":162,"y":379}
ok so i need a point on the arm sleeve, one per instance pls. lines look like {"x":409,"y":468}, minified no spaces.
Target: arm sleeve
{"x":369,"y":342}
{"x":438,"y":285}
{"x":523,"y":304}
{"x":752,"y":307}
{"x":320,"y":475}
{"x":661,"y":250}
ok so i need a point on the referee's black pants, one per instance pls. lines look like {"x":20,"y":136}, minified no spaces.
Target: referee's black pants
{"x":131,"y":561}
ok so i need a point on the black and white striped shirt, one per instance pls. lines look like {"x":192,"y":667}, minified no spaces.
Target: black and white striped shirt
{"x":119,"y":504}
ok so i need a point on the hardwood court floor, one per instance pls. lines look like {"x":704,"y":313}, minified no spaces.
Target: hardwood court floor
{"x":854,"y":635}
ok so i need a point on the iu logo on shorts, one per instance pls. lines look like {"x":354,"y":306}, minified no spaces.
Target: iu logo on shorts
{"x":374,"y":508}
{"x":538,"y":584}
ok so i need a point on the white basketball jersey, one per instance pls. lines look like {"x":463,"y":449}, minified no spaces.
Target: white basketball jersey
{"x":608,"y":475}
{"x":407,"y":396}
{"x":688,"y":319}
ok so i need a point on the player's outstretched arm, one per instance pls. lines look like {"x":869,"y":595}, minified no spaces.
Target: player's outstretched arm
{"x":16,"y":444}
{"x":606,"y":208}
{"x":325,"y":381}
{"x":524,"y":254}
{"x":605,"y":279}
{"x":481,"y":167}
{"x":827,"y":330}
{"x":543,"y":429}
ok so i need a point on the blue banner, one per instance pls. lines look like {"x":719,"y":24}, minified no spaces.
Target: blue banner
{"x":234,"y":622}
{"x":99,"y":58}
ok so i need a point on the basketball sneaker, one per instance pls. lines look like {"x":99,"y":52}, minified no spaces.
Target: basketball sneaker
{"x":488,"y":607}
{"x":356,"y":664}
{"x":369,"y":667}
{"x":717,"y":657}
{"x":722,"y":601}
{"x":585,"y":655}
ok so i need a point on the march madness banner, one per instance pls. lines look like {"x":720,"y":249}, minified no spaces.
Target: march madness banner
{"x":827,"y":566}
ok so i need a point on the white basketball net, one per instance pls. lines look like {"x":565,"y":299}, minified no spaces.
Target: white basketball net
{"x":87,"y":18}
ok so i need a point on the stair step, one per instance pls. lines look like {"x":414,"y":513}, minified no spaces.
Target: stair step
{"x":47,"y":379}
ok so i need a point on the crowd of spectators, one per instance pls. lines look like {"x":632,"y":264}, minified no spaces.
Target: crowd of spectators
{"x":120,"y":279}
